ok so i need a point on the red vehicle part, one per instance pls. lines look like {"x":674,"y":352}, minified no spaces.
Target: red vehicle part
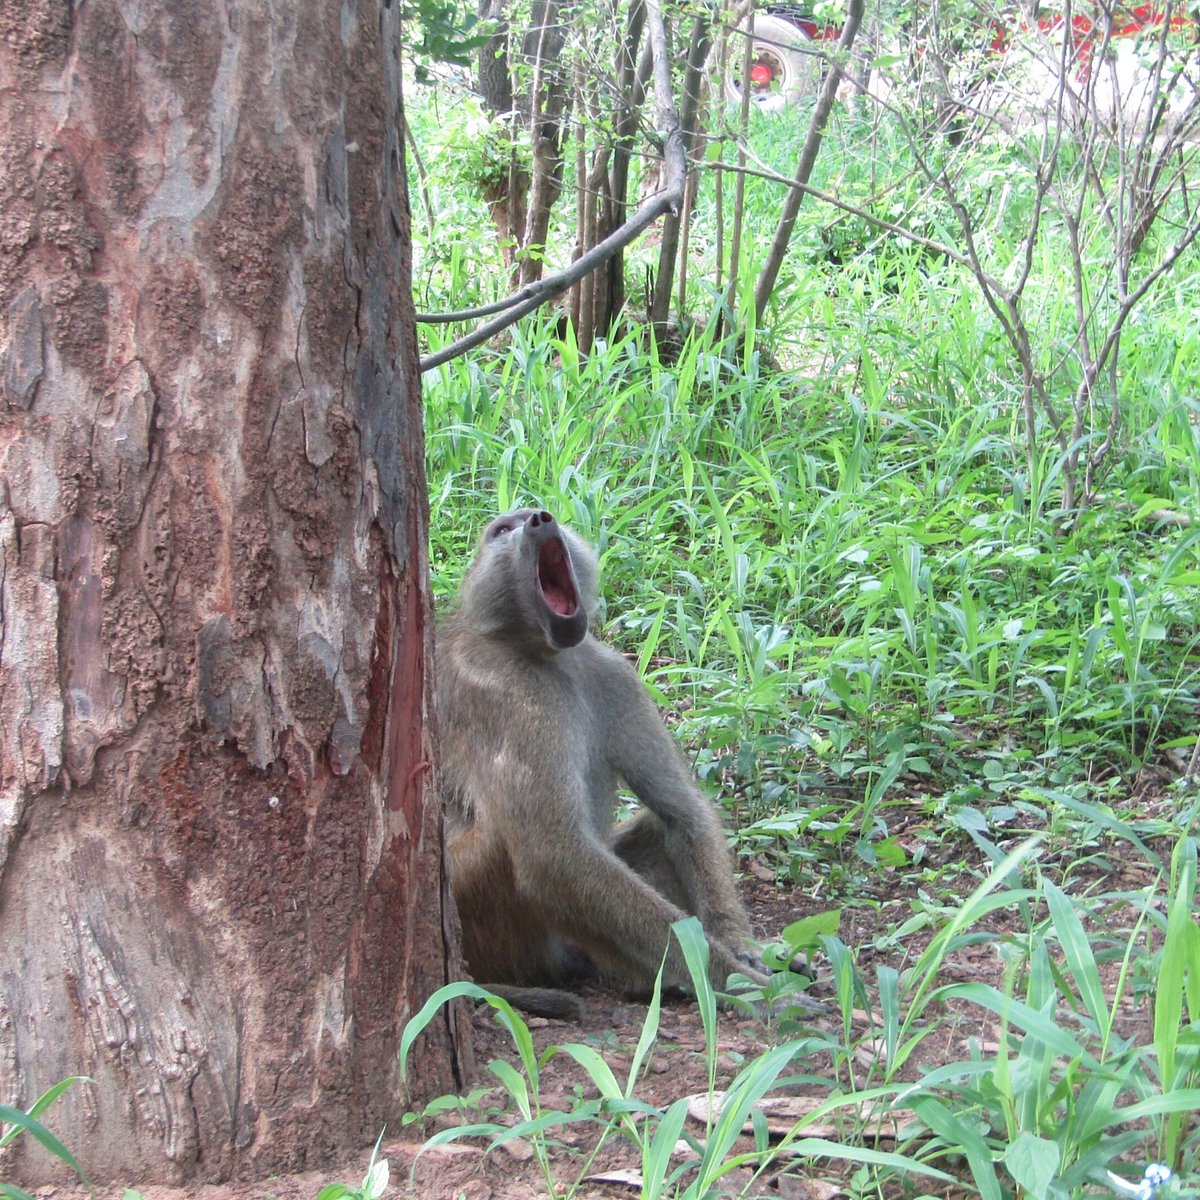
{"x":782,"y":66}
{"x":783,"y":69}
{"x":1085,"y":32}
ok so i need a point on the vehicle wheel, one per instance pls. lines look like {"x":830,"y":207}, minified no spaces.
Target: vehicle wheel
{"x":782,"y":67}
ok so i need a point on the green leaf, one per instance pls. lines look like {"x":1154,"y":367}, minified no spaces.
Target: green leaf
{"x":656,"y":1158}
{"x":691,"y":938}
{"x":1033,"y":1163}
{"x":1182,"y":1100}
{"x":1077,"y":950}
{"x":514,"y":1083}
{"x":903,"y":1164}
{"x":890,"y":853}
{"x":966,"y":1137}
{"x":443,"y":1137}
{"x":806,"y":933}
{"x":1039,"y":1024}
{"x":752,"y":1082}
{"x":505,"y":1014}
{"x":22,"y":1121}
{"x":53,"y":1092}
{"x":597,"y":1068}
{"x":375,"y":1182}
{"x":649,"y":1031}
{"x":1178,"y":959}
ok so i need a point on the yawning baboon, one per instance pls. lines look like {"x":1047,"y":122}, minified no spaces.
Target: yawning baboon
{"x":538,"y":724}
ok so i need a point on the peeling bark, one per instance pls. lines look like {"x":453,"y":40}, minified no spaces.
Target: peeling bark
{"x":222,"y":878}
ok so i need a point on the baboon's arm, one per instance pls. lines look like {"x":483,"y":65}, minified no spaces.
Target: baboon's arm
{"x":644,"y":753}
{"x":696,"y":845}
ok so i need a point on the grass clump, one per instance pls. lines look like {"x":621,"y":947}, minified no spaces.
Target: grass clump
{"x":28,"y":1122}
{"x":1056,"y":1095}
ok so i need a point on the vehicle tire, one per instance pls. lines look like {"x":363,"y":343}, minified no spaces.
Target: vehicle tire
{"x":783,"y":68}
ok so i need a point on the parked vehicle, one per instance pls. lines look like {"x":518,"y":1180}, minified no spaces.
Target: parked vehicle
{"x":784,"y":64}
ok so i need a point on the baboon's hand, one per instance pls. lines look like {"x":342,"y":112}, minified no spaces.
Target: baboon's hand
{"x":752,"y":965}
{"x":761,"y":973}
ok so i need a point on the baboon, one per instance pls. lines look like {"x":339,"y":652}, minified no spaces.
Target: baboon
{"x":538,"y":722}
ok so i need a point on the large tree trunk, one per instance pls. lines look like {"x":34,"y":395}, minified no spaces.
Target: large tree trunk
{"x":221,"y":868}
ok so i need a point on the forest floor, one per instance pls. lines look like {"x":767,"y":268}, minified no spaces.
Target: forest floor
{"x":677,"y":1065}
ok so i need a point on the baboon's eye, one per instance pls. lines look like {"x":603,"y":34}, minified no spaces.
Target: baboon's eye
{"x":499,"y":528}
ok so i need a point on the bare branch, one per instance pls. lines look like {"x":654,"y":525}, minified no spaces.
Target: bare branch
{"x":845,"y":206}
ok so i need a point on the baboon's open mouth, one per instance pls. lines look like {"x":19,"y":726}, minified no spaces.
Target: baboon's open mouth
{"x":557,"y":579}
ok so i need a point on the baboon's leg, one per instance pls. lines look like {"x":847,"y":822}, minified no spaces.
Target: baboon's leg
{"x":641,"y":842}
{"x":506,"y":939}
{"x":615,"y":915}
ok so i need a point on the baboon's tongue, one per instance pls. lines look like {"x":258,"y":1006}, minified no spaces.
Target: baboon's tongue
{"x":556,"y":578}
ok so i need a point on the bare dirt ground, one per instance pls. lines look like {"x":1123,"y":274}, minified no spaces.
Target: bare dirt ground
{"x":677,"y":1067}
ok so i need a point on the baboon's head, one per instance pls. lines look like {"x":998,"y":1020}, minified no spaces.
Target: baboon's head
{"x":532,"y":579}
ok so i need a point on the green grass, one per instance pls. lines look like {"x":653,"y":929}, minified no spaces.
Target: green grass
{"x":15,"y":1121}
{"x":842,"y":595}
{"x":1055,"y":1096}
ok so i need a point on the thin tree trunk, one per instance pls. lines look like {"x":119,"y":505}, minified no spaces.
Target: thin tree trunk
{"x":506,"y":195}
{"x":222,"y":885}
{"x":575,"y":296}
{"x":688,"y":112}
{"x":765,"y":284}
{"x":631,"y":91}
{"x":548,"y":116}
{"x":729,"y":319}
{"x":685,"y":230}
{"x":587,"y":285}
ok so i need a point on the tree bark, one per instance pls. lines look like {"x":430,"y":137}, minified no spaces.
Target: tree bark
{"x":222,"y":881}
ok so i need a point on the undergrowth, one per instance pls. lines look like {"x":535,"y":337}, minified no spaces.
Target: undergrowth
{"x":1055,"y":1097}
{"x":848,"y":598}
{"x":861,"y":618}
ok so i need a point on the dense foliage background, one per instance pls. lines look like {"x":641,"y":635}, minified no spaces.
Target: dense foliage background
{"x":832,"y":541}
{"x":910,"y":553}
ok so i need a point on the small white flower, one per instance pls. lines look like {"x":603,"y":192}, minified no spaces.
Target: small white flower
{"x":1154,"y":1176}
{"x":1157,"y":1174}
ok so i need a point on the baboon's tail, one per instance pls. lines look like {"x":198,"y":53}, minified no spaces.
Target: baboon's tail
{"x":541,"y":1001}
